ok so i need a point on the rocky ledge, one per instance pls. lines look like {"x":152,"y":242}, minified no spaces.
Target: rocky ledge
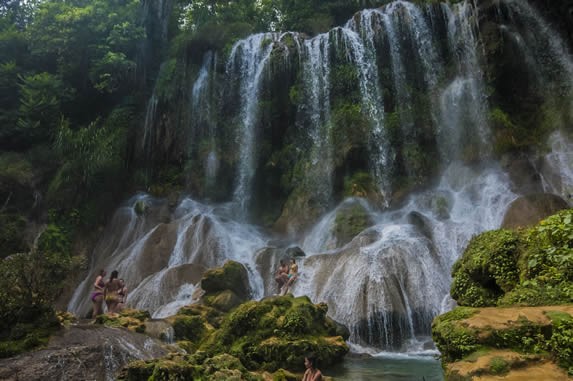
{"x":506,"y":343}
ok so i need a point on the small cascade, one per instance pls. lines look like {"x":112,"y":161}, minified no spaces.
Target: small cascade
{"x":149,"y":125}
{"x":394,"y":291}
{"x":557,"y":166}
{"x":203,"y":127}
{"x":364,"y":60}
{"x":548,"y":60}
{"x":163,"y":263}
{"x":316,"y":73}
{"x":247,"y":63}
{"x":463,"y":102}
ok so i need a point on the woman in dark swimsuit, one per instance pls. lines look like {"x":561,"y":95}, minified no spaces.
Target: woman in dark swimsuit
{"x":111,"y":293}
{"x":97,"y":294}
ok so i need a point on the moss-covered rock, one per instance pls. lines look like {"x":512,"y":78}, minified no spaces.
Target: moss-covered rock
{"x":350,"y":220}
{"x":232,"y":276}
{"x":134,"y":320}
{"x":525,"y":267}
{"x":493,"y":341}
{"x":487,"y":269}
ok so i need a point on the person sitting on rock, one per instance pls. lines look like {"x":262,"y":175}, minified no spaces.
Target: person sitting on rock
{"x":281,"y":276}
{"x":312,"y":373}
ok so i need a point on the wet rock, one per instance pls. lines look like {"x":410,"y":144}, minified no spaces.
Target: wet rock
{"x":529,"y":210}
{"x":83,"y":352}
{"x":294,"y":252}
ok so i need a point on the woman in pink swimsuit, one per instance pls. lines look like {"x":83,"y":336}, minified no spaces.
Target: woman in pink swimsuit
{"x":97,"y":294}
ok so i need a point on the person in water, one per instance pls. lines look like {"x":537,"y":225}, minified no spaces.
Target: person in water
{"x":312,"y":373}
{"x":292,"y":276}
{"x":111,"y":293}
{"x":281,"y":276}
{"x":97,"y":294}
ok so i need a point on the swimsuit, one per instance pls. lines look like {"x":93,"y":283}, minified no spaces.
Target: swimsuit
{"x":95,"y":294}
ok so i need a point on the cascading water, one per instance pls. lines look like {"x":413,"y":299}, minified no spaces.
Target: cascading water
{"x":201,"y":96}
{"x":463,"y":101}
{"x":247,"y":63}
{"x":372,"y":104}
{"x":316,"y":72}
{"x":392,"y":278}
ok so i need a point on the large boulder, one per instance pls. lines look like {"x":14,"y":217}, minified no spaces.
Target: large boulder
{"x":232,"y":276}
{"x":528,"y":210}
{"x":84,"y":352}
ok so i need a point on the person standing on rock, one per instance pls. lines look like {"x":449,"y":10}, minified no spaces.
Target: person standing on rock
{"x":111,"y":292}
{"x":281,"y":276}
{"x":123,"y":295}
{"x":97,"y":294}
{"x":312,"y":373}
{"x":292,"y":276}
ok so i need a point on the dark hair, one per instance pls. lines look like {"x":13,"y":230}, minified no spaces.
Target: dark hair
{"x":113,"y":275}
{"x":102,"y":272}
{"x":311,"y":357}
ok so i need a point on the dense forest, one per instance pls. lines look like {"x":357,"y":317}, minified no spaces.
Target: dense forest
{"x":94,"y":107}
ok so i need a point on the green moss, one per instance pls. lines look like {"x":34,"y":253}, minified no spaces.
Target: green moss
{"x":454,"y":340}
{"x":12,"y":228}
{"x":498,"y":366}
{"x":561,"y":342}
{"x":232,"y":276}
{"x":188,"y":328}
{"x":134,"y":320}
{"x":349,"y":222}
{"x":487,"y":269}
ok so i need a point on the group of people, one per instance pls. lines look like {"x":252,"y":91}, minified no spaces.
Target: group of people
{"x":113,"y":292}
{"x":286,"y":275}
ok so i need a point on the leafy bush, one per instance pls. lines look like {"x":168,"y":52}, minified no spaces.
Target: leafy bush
{"x":487,"y":269}
{"x":531,"y":267}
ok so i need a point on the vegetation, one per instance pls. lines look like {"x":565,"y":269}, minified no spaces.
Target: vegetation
{"x":527,"y":267}
{"x":531,"y":267}
{"x":244,"y":340}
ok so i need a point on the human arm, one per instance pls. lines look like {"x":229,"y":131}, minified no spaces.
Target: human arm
{"x":97,"y":283}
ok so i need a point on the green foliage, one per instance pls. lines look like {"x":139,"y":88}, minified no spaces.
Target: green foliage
{"x":30,"y":283}
{"x":349,"y":222}
{"x":188,"y":328}
{"x":532,"y":267}
{"x":87,"y":153}
{"x":41,"y":97}
{"x":561,"y":341}
{"x":12,"y":234}
{"x":487,"y":269}
{"x":498,"y":365}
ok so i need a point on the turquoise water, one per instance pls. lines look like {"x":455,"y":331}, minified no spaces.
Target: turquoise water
{"x":388,"y":368}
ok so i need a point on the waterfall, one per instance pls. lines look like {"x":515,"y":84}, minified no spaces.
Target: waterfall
{"x":386,"y":284}
{"x":247,"y":62}
{"x":392,"y":278}
{"x":463,"y":102}
{"x":167,"y":252}
{"x":372,"y":104}
{"x":201,"y":96}
{"x":316,"y":80}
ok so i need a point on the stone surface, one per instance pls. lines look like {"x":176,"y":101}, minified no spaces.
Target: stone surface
{"x":528,"y":210}
{"x":83,"y":352}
